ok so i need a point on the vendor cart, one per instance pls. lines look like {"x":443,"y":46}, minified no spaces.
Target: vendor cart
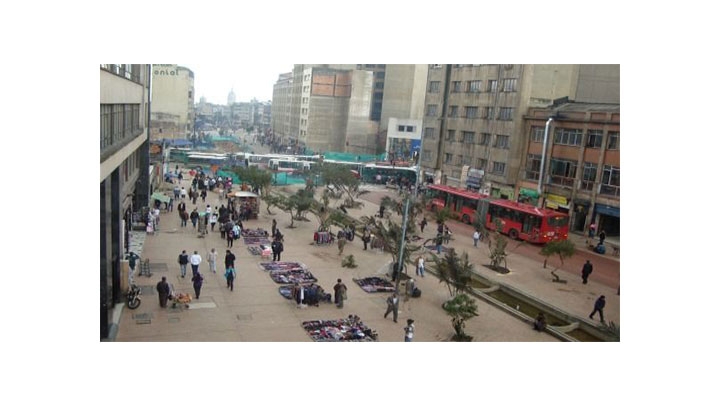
{"x":245,"y":199}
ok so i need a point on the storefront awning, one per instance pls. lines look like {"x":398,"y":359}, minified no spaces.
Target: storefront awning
{"x":556,"y":201}
{"x":529,"y":193}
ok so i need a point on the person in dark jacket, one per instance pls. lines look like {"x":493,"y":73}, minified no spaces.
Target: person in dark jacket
{"x":599,"y":305}
{"x":277,"y":248}
{"x":229,"y":259}
{"x":197,"y":280}
{"x":601,"y":235}
{"x":163,"y":289}
{"x":183,"y":261}
{"x":586,"y":270}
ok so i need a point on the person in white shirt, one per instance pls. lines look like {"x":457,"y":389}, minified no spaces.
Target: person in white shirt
{"x":476,"y":237}
{"x":212,"y":258}
{"x":409,"y":330}
{"x":421,"y":266}
{"x":195,"y":260}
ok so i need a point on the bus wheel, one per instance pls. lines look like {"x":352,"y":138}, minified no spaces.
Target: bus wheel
{"x":513,"y":234}
{"x":466,"y":219}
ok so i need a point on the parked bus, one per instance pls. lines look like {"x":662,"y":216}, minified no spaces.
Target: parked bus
{"x":525,"y":222}
{"x":519,"y":221}
{"x":288,"y":165}
{"x":388,"y":173}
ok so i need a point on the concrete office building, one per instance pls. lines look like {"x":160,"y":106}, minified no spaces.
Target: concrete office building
{"x":474,"y":116}
{"x":173,"y":95}
{"x":125,"y":178}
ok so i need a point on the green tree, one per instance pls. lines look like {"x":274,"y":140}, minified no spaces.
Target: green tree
{"x":296,"y":204}
{"x":415,"y":209}
{"x":460,"y":308}
{"x":390,"y":235}
{"x":563,"y":249}
{"x":341,"y":179}
{"x":453,"y":270}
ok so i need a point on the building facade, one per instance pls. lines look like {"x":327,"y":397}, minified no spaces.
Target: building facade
{"x":403,"y":139}
{"x":173,"y":95}
{"x":124,"y":173}
{"x":581,"y":170}
{"x":473,"y":119}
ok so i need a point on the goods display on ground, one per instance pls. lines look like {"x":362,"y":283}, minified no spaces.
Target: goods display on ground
{"x":350,"y":329}
{"x":375,"y":284}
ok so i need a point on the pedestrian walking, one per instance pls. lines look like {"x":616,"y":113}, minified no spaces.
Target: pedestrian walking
{"x":183,"y":261}
{"x":273,"y":227}
{"x":439,"y":242}
{"x":197,"y":284}
{"x":409,"y":330}
{"x":176,"y":192}
{"x":213,"y":221}
{"x":591,"y":232}
{"x":421,"y":266}
{"x":601,"y":235}
{"x":182,"y":207}
{"x":599,"y":306}
{"x":195,"y":260}
{"x":194,"y":217}
{"x":423,"y":223}
{"x":230,"y":277}
{"x":393,"y":303}
{"x":340,"y":293}
{"x":163,"y":289}
{"x":341,"y":243}
{"x":229,"y":234}
{"x":212,"y":259}
{"x":586,"y":270}
{"x":277,"y":248}
{"x":229,"y":259}
{"x":476,"y":237}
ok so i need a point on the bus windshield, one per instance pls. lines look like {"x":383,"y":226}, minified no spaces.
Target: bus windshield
{"x":558,"y":221}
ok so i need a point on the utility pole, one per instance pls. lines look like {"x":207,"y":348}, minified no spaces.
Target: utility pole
{"x":402,"y":244}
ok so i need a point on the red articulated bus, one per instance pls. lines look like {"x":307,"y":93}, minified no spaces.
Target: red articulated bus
{"x":526,"y":222}
{"x":519,"y":221}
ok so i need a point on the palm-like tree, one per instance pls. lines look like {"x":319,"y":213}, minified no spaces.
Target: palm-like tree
{"x":460,"y":308}
{"x":453,"y":270}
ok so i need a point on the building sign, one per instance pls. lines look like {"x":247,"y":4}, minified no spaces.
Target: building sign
{"x":556,"y":201}
{"x":474,"y":178}
{"x":607,"y":210}
{"x":165,"y":70}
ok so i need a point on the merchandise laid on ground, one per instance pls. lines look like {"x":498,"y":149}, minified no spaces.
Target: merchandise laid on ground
{"x":255,"y":240}
{"x":270,"y":266}
{"x":292,"y":276}
{"x":374,"y":284}
{"x":286,"y":291}
{"x":260,"y":250}
{"x":350,"y":329}
{"x":254,"y":232}
{"x":255,"y":237}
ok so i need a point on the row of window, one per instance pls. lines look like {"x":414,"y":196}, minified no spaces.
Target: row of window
{"x":480,"y":163}
{"x":574,"y":137}
{"x":501,"y":141}
{"x":117,"y":122}
{"x":475,"y":86}
{"x":488,"y":113}
{"x":563,"y":172}
{"x":130,"y":72}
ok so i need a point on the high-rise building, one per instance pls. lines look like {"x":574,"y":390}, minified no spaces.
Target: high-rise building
{"x":231,"y":97}
{"x":474,"y":117}
{"x":384,"y":92}
{"x":125,"y":181}
{"x":173,"y":96}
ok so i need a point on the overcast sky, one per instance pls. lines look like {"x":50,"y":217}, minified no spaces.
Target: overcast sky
{"x":215,"y":78}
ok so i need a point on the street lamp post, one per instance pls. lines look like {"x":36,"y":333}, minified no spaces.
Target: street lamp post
{"x":542,"y":161}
